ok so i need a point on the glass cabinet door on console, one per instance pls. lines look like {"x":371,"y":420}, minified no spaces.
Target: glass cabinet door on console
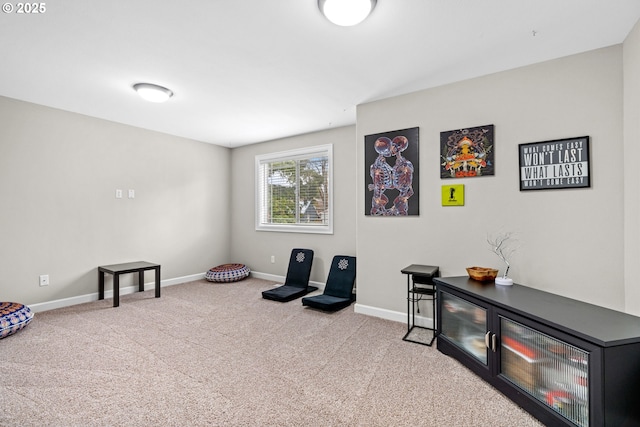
{"x":499,"y":345}
{"x":567,"y":362}
{"x":552,"y":371}
{"x":465,"y":325}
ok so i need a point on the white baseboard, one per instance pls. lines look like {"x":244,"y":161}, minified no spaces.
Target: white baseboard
{"x":280,"y":279}
{"x":267,"y":276}
{"x":396,"y":316}
{"x":80,"y":299}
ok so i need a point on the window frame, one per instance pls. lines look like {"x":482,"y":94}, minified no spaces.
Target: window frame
{"x":295,"y":154}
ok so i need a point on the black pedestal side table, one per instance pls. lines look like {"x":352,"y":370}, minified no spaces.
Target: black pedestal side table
{"x":130,"y":267}
{"x":420,"y":286}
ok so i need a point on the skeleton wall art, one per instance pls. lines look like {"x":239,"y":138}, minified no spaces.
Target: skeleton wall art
{"x":392,"y":173}
{"x":467,"y":153}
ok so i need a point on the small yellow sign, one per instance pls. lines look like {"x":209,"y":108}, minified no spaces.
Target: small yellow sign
{"x":453,"y":195}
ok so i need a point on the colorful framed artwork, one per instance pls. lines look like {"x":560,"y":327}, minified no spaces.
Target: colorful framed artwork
{"x":560,"y":163}
{"x":453,"y":195}
{"x":392,"y":173}
{"x":467,"y":153}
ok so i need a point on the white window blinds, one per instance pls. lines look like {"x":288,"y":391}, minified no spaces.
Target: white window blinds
{"x":293,"y":190}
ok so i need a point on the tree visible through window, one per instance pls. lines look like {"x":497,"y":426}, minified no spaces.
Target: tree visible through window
{"x":294,"y":189}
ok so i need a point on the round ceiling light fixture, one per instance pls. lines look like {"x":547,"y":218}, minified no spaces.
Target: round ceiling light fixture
{"x":346,"y":13}
{"x":153,"y":93}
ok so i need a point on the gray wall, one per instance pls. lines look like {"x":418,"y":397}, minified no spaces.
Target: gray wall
{"x":59,"y":216}
{"x":571,"y":241}
{"x":256,"y":247}
{"x":631,"y":52}
{"x":195,"y":204}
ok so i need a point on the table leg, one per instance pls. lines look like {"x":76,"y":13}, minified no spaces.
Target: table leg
{"x":414,"y":301}
{"x":100,"y":285}
{"x":408,"y":303}
{"x":116,"y":290}
{"x":141,"y":281}
{"x":433,"y":307}
{"x":157,"y":282}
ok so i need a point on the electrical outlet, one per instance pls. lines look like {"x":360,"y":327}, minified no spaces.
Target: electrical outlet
{"x":118,"y":194}
{"x":44,"y":280}
{"x":273,"y":259}
{"x":132,"y":194}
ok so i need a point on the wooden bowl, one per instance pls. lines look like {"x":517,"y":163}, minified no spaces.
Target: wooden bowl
{"x":482,"y":274}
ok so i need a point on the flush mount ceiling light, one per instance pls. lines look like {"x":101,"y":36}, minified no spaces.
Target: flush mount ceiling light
{"x":152,"y":93}
{"x":346,"y":13}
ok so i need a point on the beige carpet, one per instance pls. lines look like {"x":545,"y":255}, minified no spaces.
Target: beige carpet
{"x":219,"y":355}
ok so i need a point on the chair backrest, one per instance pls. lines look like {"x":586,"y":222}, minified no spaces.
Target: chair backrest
{"x":299,"y":269}
{"x":342,"y":276}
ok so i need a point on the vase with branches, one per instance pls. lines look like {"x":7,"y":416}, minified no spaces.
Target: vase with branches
{"x":502,"y":245}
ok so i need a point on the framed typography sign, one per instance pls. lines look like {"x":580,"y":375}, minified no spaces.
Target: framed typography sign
{"x":561,"y":163}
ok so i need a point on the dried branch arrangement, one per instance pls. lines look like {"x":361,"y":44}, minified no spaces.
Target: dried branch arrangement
{"x":502,"y":245}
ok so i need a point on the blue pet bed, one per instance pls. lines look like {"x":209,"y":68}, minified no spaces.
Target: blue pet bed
{"x":13,"y":317}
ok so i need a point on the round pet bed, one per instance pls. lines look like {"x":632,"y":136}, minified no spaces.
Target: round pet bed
{"x":13,"y":317}
{"x":227,"y":273}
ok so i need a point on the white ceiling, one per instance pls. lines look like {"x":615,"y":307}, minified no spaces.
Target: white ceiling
{"x":247,"y":71}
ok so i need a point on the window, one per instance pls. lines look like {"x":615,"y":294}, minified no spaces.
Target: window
{"x":294,"y":190}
